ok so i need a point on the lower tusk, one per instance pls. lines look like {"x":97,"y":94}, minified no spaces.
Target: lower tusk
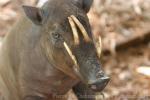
{"x":70,"y":53}
{"x":74,"y":30}
{"x":81,"y":27}
{"x":99,"y":47}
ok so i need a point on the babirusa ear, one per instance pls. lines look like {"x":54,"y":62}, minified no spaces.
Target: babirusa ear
{"x":34,"y":14}
{"x":87,"y":5}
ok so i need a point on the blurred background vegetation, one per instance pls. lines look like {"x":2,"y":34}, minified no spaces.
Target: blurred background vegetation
{"x":124,"y":26}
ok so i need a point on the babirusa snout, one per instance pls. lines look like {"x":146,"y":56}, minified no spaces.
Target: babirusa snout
{"x":89,"y":70}
{"x":100,"y":83}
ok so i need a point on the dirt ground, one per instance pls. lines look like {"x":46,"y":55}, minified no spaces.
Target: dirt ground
{"x":124,"y":26}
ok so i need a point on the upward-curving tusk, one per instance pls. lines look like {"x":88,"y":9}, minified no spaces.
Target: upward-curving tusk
{"x":74,"y":30}
{"x":70,"y":53}
{"x":99,"y":46}
{"x":81,"y":27}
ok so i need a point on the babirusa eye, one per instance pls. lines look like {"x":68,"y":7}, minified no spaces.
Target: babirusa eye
{"x":56,"y":35}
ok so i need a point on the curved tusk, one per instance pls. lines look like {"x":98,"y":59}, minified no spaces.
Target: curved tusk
{"x":99,"y":46}
{"x":70,"y":53}
{"x":74,"y":30}
{"x":81,"y":27}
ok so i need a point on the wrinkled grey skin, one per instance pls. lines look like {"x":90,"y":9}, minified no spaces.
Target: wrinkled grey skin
{"x":34,"y":64}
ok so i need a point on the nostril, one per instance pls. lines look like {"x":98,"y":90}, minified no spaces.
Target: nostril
{"x":105,"y":79}
{"x":100,"y":84}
